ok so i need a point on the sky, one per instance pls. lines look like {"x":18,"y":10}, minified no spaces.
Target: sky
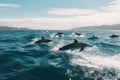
{"x":59,"y":14}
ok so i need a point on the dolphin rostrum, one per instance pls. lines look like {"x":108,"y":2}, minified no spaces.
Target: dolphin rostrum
{"x":75,"y":45}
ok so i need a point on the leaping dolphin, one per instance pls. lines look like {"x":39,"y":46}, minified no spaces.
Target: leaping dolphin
{"x":59,"y":34}
{"x":43,"y":40}
{"x":75,"y":45}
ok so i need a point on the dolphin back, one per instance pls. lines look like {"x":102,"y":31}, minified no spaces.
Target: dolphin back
{"x":43,"y":41}
{"x":66,"y":47}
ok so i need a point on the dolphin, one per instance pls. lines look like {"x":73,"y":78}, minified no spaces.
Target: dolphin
{"x":114,"y":36}
{"x":59,"y":34}
{"x":43,"y":40}
{"x":78,"y":34}
{"x":74,"y":45}
{"x":45,"y":31}
{"x":93,"y":38}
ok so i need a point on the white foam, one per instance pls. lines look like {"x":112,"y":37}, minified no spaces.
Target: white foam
{"x":82,"y":36}
{"x":93,"y":58}
{"x":97,"y":61}
{"x":44,"y":31}
{"x":56,"y":47}
{"x":74,"y":35}
{"x":55,"y":36}
{"x":52,"y":35}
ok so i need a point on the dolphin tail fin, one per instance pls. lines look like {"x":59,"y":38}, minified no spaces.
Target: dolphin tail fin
{"x":81,"y":49}
{"x":43,"y":37}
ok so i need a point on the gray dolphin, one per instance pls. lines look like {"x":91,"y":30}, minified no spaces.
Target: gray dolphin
{"x":43,"y":40}
{"x":59,"y":34}
{"x":78,"y":34}
{"x":93,"y":38}
{"x":75,"y":45}
{"x":114,"y":36}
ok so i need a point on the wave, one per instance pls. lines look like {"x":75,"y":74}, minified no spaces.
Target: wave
{"x":22,"y":59}
{"x":104,"y":64}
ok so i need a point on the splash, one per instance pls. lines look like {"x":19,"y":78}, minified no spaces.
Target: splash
{"x":56,"y":47}
{"x":97,"y":61}
{"x":75,"y":36}
{"x":55,"y":36}
{"x":52,"y":35}
{"x":34,"y":40}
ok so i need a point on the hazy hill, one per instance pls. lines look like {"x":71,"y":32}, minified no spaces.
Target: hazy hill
{"x":11,"y":28}
{"x":103,"y":27}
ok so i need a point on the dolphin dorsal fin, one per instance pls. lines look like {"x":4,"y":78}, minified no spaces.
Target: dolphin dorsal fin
{"x":75,"y":41}
{"x":43,"y":37}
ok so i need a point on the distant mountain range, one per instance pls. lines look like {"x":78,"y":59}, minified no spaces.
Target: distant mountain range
{"x":11,"y":28}
{"x":103,"y":27}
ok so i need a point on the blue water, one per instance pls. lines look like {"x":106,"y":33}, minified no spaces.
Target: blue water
{"x":22,"y":59}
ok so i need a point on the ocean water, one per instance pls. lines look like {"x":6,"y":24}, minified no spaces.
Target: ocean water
{"x":22,"y":59}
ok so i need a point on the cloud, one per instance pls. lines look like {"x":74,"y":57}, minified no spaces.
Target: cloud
{"x":64,"y":23}
{"x":105,"y":15}
{"x":113,"y":6}
{"x":8,"y":5}
{"x":72,"y":11}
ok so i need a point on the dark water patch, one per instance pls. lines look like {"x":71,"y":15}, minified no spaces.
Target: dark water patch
{"x":7,"y":40}
{"x":5,"y":58}
{"x":15,"y":52}
{"x":38,"y":73}
{"x":36,"y":54}
{"x":37,"y":47}
{"x":16,"y":65}
{"x":5,"y":70}
{"x":29,"y":45}
{"x":11,"y":66}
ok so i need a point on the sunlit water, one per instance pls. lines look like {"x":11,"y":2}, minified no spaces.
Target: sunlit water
{"x":22,"y":59}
